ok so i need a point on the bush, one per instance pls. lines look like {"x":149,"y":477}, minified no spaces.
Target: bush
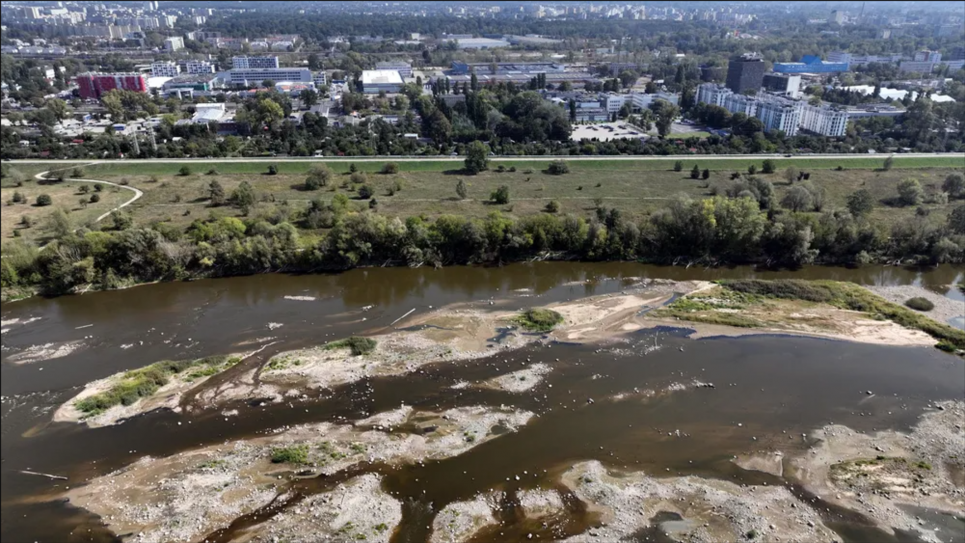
{"x":373,"y":203}
{"x":920,"y":304}
{"x":861,"y":202}
{"x":539,"y":320}
{"x":705,"y":174}
{"x":94,"y":198}
{"x":212,"y":171}
{"x":500,"y":195}
{"x":461,"y":189}
{"x":910,"y":192}
{"x":769,"y":166}
{"x":296,"y":454}
{"x":98,"y":187}
{"x":44,"y":200}
{"x":353,"y":168}
{"x":954,"y":185}
{"x":558,"y":167}
{"x":184,"y":171}
{"x":390,"y":168}
{"x":272,"y":169}
{"x":366,"y":192}
{"x":553,"y":206}
{"x":752,"y":169}
{"x":77,"y":172}
{"x":358,"y":178}
{"x":358,"y":345}
{"x":695,"y":173}
{"x":678,"y":166}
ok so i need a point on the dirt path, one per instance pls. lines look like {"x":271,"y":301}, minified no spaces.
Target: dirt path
{"x":137,"y":192}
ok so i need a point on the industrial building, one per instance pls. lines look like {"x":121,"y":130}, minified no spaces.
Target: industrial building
{"x":376,"y":81}
{"x":577,"y":79}
{"x":404,"y":68}
{"x":777,"y":112}
{"x":810,"y":64}
{"x":253,"y":76}
{"x":745,"y":73}
{"x":190,"y":82}
{"x":254,"y":63}
{"x":499,"y":68}
{"x":93,"y":85}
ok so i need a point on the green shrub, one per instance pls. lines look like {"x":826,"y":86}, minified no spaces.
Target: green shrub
{"x":539,"y":320}
{"x":558,"y":167}
{"x":553,"y":206}
{"x":390,"y":168}
{"x":790,"y":289}
{"x":44,"y":200}
{"x":920,"y":304}
{"x":184,"y":171}
{"x":358,"y":345}
{"x":500,"y":195}
{"x":296,"y":454}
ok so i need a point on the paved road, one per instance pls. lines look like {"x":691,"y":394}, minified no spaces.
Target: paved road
{"x":137,"y":193}
{"x":542,"y":158}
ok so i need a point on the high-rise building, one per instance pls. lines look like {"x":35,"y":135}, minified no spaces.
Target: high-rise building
{"x":254,"y":63}
{"x":174,"y":43}
{"x":745,"y":73}
{"x":93,"y":85}
{"x":165,"y":69}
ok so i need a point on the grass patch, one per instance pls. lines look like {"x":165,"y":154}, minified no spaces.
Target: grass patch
{"x":852,"y":297}
{"x":920,"y":304}
{"x":144,"y":382}
{"x":296,"y":454}
{"x":358,"y":345}
{"x":539,"y":320}
{"x":282,"y":362}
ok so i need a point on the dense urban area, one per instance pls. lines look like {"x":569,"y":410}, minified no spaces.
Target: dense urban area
{"x":482,"y":271}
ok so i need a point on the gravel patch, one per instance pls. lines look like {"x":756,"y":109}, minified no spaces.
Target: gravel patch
{"x":519,"y":381}
{"x":458,"y":521}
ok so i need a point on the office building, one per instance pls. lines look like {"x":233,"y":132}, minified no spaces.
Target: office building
{"x":165,"y":69}
{"x":320,"y":79}
{"x":174,"y":43}
{"x":788,"y":85}
{"x":198,"y":67}
{"x":93,"y":85}
{"x":745,"y":73}
{"x":254,"y":63}
{"x":810,"y":64}
{"x":255,"y":77}
{"x":375,"y":81}
{"x":404,"y":68}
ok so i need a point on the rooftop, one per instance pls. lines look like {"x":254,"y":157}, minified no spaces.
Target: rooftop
{"x":381,"y":77}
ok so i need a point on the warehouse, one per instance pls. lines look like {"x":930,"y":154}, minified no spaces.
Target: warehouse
{"x":376,"y":81}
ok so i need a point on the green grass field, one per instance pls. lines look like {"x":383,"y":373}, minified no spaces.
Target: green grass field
{"x":635,"y":187}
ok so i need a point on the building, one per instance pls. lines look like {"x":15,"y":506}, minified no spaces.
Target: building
{"x":917,"y":66}
{"x":480,"y":43}
{"x":506,"y":68}
{"x":92,"y":86}
{"x":320,"y":79}
{"x":199,"y":67}
{"x":174,"y":43}
{"x":944,"y":31}
{"x":838,"y":17}
{"x":958,"y":53}
{"x":404,"y":68}
{"x":840,"y":57}
{"x":745,"y":73}
{"x":640,"y":101}
{"x":788,"y":85}
{"x":165,"y":69}
{"x":927,"y":56}
{"x":208,"y":113}
{"x":254,"y":76}
{"x":254,"y":63}
{"x":777,"y":112}
{"x":190,"y":82}
{"x":810,"y":64}
{"x":375,"y":81}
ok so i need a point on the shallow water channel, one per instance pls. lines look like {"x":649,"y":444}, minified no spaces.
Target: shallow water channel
{"x":774,"y":387}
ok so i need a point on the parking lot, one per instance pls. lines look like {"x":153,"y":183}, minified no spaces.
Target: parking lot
{"x":605,"y":131}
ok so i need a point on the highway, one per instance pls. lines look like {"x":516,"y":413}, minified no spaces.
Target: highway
{"x":512,"y":158}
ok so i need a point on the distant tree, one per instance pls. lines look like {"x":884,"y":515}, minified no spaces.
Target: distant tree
{"x":956,"y":220}
{"x":798,"y":199}
{"x":769,"y":166}
{"x":121,"y":220}
{"x":44,"y":200}
{"x":272,"y":169}
{"x":268,"y":84}
{"x":695,"y":173}
{"x":558,"y":167}
{"x":358,"y":178}
{"x":94,"y":198}
{"x":791,"y":174}
{"x":705,"y":174}
{"x":477,"y":157}
{"x":243,"y":197}
{"x":954,"y":185}
{"x":461,"y":189}
{"x":77,"y":173}
{"x":314,"y":63}
{"x":318,"y":177}
{"x":308,"y":97}
{"x":678,"y":166}
{"x":910,"y":192}
{"x":500,"y":195}
{"x":366,"y":192}
{"x":353,"y":168}
{"x":58,"y":224}
{"x":216,"y":193}
{"x":860,"y":203}
{"x":184,"y":171}
{"x":553,"y":206}
{"x":752,"y":169}
{"x":889,"y":162}
{"x":390,"y":168}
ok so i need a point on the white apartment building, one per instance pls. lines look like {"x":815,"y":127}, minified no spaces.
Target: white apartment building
{"x":257,"y":76}
{"x":174,"y":43}
{"x":783,"y":115}
{"x":777,"y":112}
{"x":199,"y":67}
{"x":165,"y":69}
{"x":824,"y":120}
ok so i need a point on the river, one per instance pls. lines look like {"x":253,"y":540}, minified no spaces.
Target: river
{"x":774,"y":386}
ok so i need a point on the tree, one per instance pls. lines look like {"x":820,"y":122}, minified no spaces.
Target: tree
{"x":44,"y":200}
{"x":268,"y":84}
{"x":553,"y":206}
{"x":861,"y":202}
{"x":888,"y":163}
{"x":94,"y":198}
{"x":954,"y":185}
{"x":318,"y":177}
{"x":791,"y":174}
{"x":558,"y":167}
{"x":358,"y":178}
{"x":366,"y":192}
{"x":678,"y":166}
{"x":500,"y":195}
{"x":695,"y":173}
{"x":353,"y":168}
{"x":18,"y":197}
{"x":752,"y":169}
{"x":390,"y":168}
{"x":665,"y":114}
{"x":461,"y":189}
{"x":184,"y":171}
{"x":769,"y":166}
{"x":57,"y":107}
{"x":272,"y":169}
{"x":910,"y":192}
{"x":58,"y":223}
{"x":243,"y":197}
{"x":314,"y":63}
{"x":121,"y":220}
{"x":216,"y":193}
{"x":956,"y":220}
{"x":477,"y":157}
{"x":308,"y":97}
{"x":798,"y":199}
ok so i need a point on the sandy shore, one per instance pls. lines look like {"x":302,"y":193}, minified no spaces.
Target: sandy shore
{"x":185,"y":496}
{"x":877,"y":473}
{"x":945,"y":309}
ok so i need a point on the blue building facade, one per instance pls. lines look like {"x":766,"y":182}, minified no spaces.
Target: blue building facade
{"x":810,"y":64}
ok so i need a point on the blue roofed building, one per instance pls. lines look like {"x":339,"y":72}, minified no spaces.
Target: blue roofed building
{"x":810,"y":64}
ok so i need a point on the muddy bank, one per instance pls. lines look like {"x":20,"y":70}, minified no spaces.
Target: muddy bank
{"x":186,"y":496}
{"x":945,"y":309}
{"x":880,"y":474}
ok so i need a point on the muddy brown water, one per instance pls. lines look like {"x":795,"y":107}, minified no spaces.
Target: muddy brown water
{"x":776,"y":387}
